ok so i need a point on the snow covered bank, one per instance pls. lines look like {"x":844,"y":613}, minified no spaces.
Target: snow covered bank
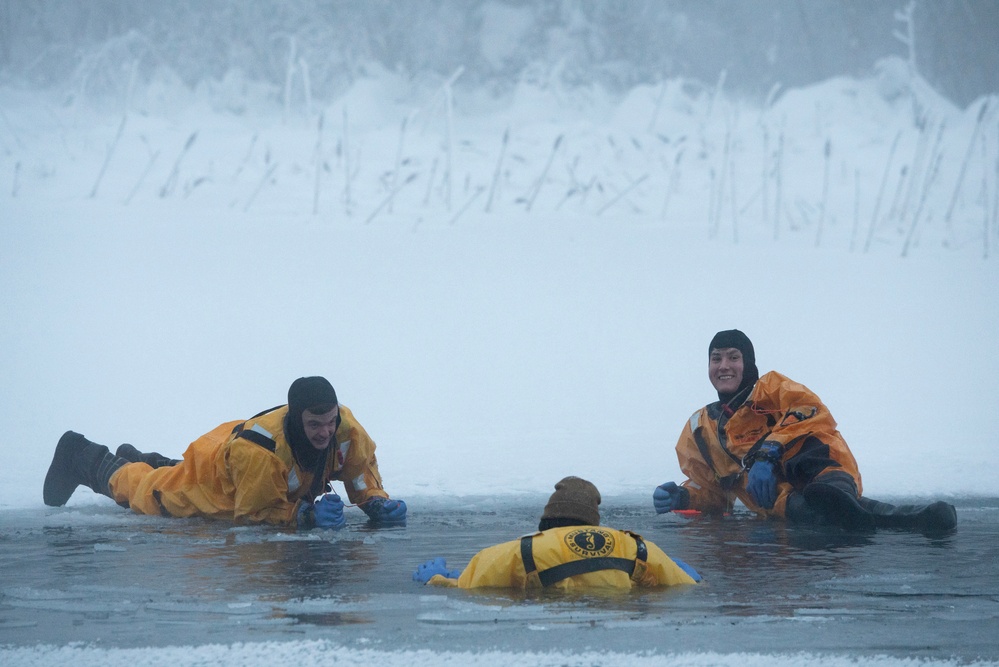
{"x":506,"y":296}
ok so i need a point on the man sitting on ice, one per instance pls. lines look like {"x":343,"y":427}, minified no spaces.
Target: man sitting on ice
{"x":771,"y":443}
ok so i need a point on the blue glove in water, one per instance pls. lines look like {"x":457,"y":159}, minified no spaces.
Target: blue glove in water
{"x":426,"y":571}
{"x":689,"y":570}
{"x":761,"y":482}
{"x":668,"y":497}
{"x":329,"y":512}
{"x":385,"y":511}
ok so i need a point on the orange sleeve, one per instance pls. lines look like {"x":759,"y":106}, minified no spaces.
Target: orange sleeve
{"x":806,"y":431}
{"x":705,"y":492}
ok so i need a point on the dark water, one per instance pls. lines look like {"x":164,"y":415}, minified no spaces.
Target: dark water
{"x":100,"y":575}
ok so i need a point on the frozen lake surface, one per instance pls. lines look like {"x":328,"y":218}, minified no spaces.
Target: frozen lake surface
{"x":95,"y":575}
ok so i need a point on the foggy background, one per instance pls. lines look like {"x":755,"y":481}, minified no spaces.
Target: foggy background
{"x":101,"y":47}
{"x":506,"y":231}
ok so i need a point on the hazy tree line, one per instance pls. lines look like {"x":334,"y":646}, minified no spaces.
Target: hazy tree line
{"x":100,"y":44}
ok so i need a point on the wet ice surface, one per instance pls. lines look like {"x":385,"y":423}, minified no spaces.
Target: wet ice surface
{"x":97,"y":575}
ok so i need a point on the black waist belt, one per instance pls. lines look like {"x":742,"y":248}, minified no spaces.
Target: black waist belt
{"x":555,"y":574}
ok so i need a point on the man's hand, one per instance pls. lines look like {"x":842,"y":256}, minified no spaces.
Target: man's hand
{"x":385,"y":512}
{"x":761,"y":482}
{"x":329,"y":512}
{"x":426,"y":571}
{"x":668,"y":497}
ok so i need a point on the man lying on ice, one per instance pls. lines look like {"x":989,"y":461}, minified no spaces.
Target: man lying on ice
{"x":267,"y":469}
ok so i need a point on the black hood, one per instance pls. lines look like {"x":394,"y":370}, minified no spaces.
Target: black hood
{"x":316,"y":395}
{"x":750,"y":373}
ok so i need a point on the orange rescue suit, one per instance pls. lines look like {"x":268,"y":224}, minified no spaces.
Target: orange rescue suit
{"x":713,"y":445}
{"x":502,"y":565}
{"x":228,"y":474}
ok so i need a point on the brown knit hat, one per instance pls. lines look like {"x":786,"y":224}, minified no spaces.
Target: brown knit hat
{"x":574,"y":498}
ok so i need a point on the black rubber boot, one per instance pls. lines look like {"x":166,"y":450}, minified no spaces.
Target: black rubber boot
{"x":798,"y":511}
{"x":938,"y":517}
{"x":78,"y":461}
{"x":154,"y":459}
{"x":839,"y":506}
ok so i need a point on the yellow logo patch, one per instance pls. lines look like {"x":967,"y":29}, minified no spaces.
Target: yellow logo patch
{"x":589,"y":542}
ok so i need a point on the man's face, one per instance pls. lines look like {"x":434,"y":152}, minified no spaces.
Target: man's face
{"x":319,"y":429}
{"x":725,"y":369}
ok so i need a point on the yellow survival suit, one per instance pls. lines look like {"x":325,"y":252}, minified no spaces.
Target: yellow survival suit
{"x":245,"y":472}
{"x":570,"y":550}
{"x":570,"y":558}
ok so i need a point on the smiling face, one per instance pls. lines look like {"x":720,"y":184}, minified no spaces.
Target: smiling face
{"x":725,"y":367}
{"x":319,"y":429}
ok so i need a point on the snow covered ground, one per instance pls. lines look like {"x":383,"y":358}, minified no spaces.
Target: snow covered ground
{"x":503,"y":295}
{"x":269,"y":653}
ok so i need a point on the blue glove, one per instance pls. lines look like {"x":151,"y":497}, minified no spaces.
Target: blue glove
{"x":668,"y":497}
{"x":384,"y":511}
{"x":689,"y":570}
{"x":426,"y":571}
{"x":761,"y":482}
{"x":329,"y":512}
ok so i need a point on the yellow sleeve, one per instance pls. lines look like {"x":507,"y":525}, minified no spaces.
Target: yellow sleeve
{"x":441,"y":580}
{"x":360,"y":465}
{"x":661,"y":570}
{"x":498,"y":566}
{"x":261,"y":485}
